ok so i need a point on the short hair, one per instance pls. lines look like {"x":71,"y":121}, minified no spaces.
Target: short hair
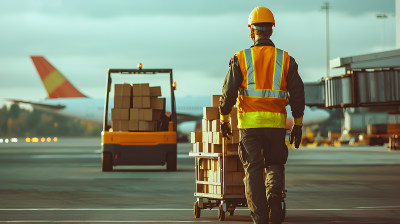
{"x":262,"y":29}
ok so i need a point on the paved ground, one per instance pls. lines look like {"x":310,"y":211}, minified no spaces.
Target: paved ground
{"x":62,"y":183}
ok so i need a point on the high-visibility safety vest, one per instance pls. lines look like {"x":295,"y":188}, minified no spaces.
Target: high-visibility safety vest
{"x":263,"y":95}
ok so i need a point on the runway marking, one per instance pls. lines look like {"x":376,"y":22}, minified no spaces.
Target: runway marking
{"x":96,"y":209}
{"x":83,"y":156}
{"x":396,"y":206}
{"x":103,"y":221}
{"x":80,"y":156}
{"x":382,"y":208}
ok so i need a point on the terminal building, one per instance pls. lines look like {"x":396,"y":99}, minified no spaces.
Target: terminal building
{"x":366,"y":99}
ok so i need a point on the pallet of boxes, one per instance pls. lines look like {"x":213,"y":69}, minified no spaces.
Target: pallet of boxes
{"x":137,"y":107}
{"x":219,"y":172}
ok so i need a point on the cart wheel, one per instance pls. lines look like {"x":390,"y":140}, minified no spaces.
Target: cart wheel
{"x":221,"y":213}
{"x":107,"y":162}
{"x":283,"y":211}
{"x":171,"y":162}
{"x":196,"y":210}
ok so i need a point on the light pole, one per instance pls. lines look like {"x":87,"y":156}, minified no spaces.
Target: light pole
{"x":326,"y":7}
{"x":382,"y":16}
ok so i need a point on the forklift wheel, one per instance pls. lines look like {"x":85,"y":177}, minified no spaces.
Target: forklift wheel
{"x":107,"y":162}
{"x":171,"y":162}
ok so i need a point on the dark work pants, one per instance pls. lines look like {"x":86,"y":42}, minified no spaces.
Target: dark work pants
{"x":262,"y":148}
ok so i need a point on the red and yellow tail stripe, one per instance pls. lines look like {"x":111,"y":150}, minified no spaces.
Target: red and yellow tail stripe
{"x":57,"y":86}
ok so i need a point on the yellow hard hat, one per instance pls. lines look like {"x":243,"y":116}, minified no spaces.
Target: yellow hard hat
{"x":261,"y":14}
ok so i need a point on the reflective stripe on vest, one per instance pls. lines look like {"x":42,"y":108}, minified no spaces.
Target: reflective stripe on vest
{"x":262,"y":104}
{"x":278,"y":68}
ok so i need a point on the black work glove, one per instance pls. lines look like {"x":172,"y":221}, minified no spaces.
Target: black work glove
{"x":226,"y":129}
{"x":295,"y":136}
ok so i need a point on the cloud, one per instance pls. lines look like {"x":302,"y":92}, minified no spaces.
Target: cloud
{"x":116,"y":8}
{"x":85,"y":38}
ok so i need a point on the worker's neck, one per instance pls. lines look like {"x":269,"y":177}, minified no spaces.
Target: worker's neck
{"x":257,"y":38}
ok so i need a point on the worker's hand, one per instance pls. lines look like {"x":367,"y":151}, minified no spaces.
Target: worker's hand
{"x":295,"y":136}
{"x":226,"y":129}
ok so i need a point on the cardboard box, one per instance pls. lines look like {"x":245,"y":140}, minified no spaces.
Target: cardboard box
{"x":232,"y":148}
{"x":146,"y":102}
{"x":155,"y":91}
{"x":229,"y":177}
{"x":157,"y":114}
{"x":134,"y":114}
{"x":198,"y":147}
{"x":200,"y":175}
{"x":204,"y":137}
{"x":217,"y":190}
{"x":234,"y":113}
{"x":210,"y":187}
{"x":147,"y":126}
{"x":215,"y":125}
{"x":122,"y":89}
{"x":231,"y":163}
{"x":240,"y":166}
{"x":204,"y":125}
{"x":149,"y":114}
{"x":217,"y":138}
{"x":196,"y":136}
{"x":215,"y":148}
{"x":133,"y":125}
{"x":235,"y":190}
{"x":210,"y":175}
{"x":206,"y":147}
{"x":145,"y":114}
{"x":209,"y":125}
{"x":210,"y":137}
{"x":204,"y":164}
{"x":200,"y":188}
{"x":235,"y":137}
{"x":210,"y":113}
{"x":157,"y":103}
{"x":142,"y":89}
{"x":120,"y":125}
{"x":119,"y":114}
{"x":214,"y":165}
{"x":137,"y":102}
{"x":234,"y":124}
{"x":237,"y":177}
{"x":122,"y":102}
{"x":215,"y":100}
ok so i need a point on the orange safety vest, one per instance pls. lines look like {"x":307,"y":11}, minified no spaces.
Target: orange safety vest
{"x":263,"y":94}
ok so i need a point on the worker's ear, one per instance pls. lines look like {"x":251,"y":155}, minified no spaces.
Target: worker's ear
{"x":252,"y":33}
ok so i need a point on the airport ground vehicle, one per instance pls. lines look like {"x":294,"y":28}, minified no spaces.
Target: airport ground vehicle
{"x":226,"y":195}
{"x":140,"y":148}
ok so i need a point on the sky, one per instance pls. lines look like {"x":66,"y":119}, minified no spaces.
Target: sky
{"x":83,"y":39}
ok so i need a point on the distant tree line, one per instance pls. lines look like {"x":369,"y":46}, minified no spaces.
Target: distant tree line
{"x":19,"y":122}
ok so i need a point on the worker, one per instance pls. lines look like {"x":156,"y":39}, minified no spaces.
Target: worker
{"x":260,"y":79}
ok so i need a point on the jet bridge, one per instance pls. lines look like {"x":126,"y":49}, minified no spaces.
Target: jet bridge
{"x":371,"y":80}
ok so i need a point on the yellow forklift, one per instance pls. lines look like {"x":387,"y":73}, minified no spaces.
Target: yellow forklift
{"x":140,"y":148}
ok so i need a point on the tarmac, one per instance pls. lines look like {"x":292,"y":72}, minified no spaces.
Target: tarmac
{"x":62,"y":182}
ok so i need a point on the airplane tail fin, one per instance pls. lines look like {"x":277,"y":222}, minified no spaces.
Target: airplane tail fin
{"x":57,"y":86}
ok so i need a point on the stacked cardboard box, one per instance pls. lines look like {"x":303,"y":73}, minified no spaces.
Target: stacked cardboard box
{"x":137,"y":107}
{"x":209,"y":140}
